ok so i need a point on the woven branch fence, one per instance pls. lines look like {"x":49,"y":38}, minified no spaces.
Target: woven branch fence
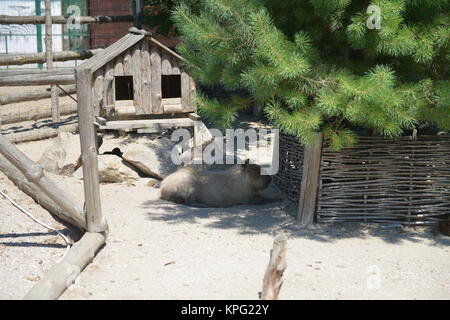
{"x":379,"y":180}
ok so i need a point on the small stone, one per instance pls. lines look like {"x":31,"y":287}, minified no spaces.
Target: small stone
{"x":112,"y":169}
{"x":62,"y":156}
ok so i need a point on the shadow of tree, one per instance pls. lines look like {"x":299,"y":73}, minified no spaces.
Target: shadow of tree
{"x":272,"y":219}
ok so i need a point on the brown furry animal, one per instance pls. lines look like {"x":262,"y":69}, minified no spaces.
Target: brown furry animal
{"x":237,"y":185}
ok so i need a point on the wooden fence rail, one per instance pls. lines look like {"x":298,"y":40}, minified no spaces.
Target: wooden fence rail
{"x":34,"y":173}
{"x":21,"y":59}
{"x":41,"y":133}
{"x":29,"y":96}
{"x":37,"y":194}
{"x":43,"y":77}
{"x":61,"y":276}
{"x":4,"y":19}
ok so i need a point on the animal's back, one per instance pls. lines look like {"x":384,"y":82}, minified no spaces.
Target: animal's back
{"x":237,"y":185}
{"x":222,"y":189}
{"x":180,"y":186}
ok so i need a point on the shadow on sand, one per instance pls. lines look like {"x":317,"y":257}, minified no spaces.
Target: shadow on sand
{"x":272,"y":219}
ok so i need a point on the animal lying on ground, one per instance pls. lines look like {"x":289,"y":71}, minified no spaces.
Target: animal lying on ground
{"x":237,"y":185}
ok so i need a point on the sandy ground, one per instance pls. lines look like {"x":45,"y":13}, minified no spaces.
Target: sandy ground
{"x":27,"y":250}
{"x":160,"y":250}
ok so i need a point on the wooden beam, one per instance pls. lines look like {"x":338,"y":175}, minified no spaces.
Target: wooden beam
{"x":172,"y":108}
{"x":146,"y":92}
{"x":39,"y":134}
{"x":148,"y":123}
{"x":34,"y":173}
{"x":155,"y":62}
{"x":194,"y":116}
{"x":43,"y":77}
{"x":166,"y":66}
{"x":192,"y":95}
{"x":21,"y":59}
{"x":310,"y":181}
{"x":49,"y":59}
{"x":273,"y":278}
{"x":62,"y":275}
{"x":97,"y":91}
{"x":185,"y":91}
{"x":88,"y":139}
{"x":136,"y":67}
{"x":31,"y":96}
{"x":37,"y":194}
{"x":4,"y":19}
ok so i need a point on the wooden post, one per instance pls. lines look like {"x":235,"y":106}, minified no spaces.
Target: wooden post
{"x":49,"y":58}
{"x":62,"y":275}
{"x":273,"y":278}
{"x":310,"y":181}
{"x":34,"y":173}
{"x":88,"y":139}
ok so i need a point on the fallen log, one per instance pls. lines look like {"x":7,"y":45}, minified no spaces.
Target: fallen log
{"x":37,"y":195}
{"x":34,"y":95}
{"x":34,"y":173}
{"x":43,"y":77}
{"x":62,"y":275}
{"x":20,"y":59}
{"x":273,"y":278}
{"x":4,"y":19}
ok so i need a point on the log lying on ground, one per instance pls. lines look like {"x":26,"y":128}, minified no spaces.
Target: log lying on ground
{"x":39,"y":134}
{"x":20,"y":59}
{"x":61,"y":276}
{"x":273,"y":278}
{"x":34,"y":173}
{"x":34,"y":192}
{"x":34,"y":95}
{"x":43,"y":77}
{"x":4,"y":19}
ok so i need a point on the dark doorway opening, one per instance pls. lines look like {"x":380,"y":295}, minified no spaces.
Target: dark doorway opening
{"x":124,"y":88}
{"x":171,"y":86}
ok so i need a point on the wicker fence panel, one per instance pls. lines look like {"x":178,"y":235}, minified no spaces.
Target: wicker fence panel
{"x":386,"y":180}
{"x":289,"y":174}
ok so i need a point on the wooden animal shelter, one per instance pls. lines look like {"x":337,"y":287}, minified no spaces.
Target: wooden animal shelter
{"x":136,"y":78}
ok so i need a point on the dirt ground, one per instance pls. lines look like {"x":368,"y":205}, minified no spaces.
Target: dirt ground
{"x":159,"y":250}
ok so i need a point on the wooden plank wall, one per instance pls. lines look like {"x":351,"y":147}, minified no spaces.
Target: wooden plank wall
{"x":146,"y":63}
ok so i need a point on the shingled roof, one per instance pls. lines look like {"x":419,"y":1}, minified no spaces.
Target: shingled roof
{"x":121,"y":45}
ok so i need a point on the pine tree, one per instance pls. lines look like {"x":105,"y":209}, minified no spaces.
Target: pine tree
{"x":315,"y":65}
{"x":156,"y":15}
